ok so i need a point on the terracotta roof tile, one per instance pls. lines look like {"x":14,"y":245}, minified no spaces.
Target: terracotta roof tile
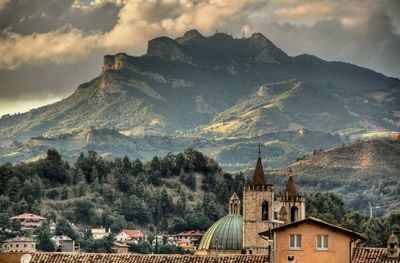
{"x":316,"y":221}
{"x":131,"y":258}
{"x":372,"y":255}
{"x":134,"y":233}
{"x":196,"y":233}
{"x":28,"y":216}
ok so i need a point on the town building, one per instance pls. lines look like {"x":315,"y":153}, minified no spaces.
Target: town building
{"x":131,"y":236}
{"x":185,"y":244}
{"x":29,"y":221}
{"x":119,"y":248}
{"x":311,"y":240}
{"x":19,"y":244}
{"x":262,"y":210}
{"x":99,"y":233}
{"x":158,"y":240}
{"x":194,"y":236}
{"x":63,"y":244}
{"x":390,"y":254}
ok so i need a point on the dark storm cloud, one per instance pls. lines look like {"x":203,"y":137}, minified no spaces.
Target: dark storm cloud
{"x":373,"y":43}
{"x":46,"y":80}
{"x":40,"y":16}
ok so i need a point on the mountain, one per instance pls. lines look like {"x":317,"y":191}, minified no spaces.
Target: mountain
{"x":195,"y":83}
{"x":287,"y":105}
{"x":280,"y":148}
{"x":363,"y":172}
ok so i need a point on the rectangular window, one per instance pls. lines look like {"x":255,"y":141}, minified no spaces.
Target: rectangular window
{"x":295,"y":242}
{"x":322,"y":242}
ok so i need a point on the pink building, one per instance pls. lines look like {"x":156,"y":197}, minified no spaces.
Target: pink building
{"x":29,"y":221}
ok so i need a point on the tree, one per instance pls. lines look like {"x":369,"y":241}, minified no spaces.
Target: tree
{"x":170,"y":249}
{"x":14,"y":184}
{"x":63,"y":227}
{"x":189,"y":179}
{"x":166,"y":204}
{"x":181,"y":205}
{"x":44,"y":241}
{"x":101,"y":245}
{"x":84,"y":211}
{"x":210,"y":208}
{"x":136,"y":210}
{"x":376,"y":232}
{"x":6,"y":173}
{"x":137,"y":167}
{"x":143,"y":247}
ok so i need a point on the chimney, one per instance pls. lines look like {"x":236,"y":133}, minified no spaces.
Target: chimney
{"x":392,"y":246}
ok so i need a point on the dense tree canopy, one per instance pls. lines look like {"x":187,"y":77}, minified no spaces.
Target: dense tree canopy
{"x":175,"y":193}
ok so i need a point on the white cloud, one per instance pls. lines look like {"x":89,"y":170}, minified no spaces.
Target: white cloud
{"x":138,"y":21}
{"x":93,"y":4}
{"x":3,"y":3}
{"x":59,"y":46}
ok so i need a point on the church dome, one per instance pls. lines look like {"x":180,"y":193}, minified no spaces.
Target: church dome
{"x":225,"y":234}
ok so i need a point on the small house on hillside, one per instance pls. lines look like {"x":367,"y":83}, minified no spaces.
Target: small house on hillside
{"x":99,"y":233}
{"x":119,"y":248}
{"x":29,"y":221}
{"x":19,"y":244}
{"x":63,"y":244}
{"x":131,"y":236}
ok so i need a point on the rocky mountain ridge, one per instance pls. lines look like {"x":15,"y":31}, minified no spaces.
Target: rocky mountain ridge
{"x":219,"y":87}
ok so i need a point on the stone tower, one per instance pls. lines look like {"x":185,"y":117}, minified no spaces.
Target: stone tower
{"x":293,"y":204}
{"x":234,"y":204}
{"x":392,"y":247}
{"x":258,"y":198}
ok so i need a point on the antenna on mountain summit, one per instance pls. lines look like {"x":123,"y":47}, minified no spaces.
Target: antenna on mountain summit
{"x":243,"y":36}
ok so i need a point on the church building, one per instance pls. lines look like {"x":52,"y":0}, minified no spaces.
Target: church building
{"x":263,"y":210}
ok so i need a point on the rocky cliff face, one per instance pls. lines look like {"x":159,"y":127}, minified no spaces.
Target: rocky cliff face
{"x":115,"y":62}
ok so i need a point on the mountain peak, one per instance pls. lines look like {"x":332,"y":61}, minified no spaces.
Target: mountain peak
{"x":192,"y":33}
{"x":260,"y":41}
{"x":189,"y":37}
{"x":166,"y":48}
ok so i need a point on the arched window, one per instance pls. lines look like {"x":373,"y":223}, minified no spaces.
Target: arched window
{"x":235,"y":209}
{"x":264,"y":211}
{"x":294,"y":214}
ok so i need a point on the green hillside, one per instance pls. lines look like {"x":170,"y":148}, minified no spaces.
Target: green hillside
{"x":363,"y":172}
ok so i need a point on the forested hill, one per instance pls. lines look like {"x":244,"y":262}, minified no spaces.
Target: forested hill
{"x":183,"y":191}
{"x":178,"y":192}
{"x":363,"y":172}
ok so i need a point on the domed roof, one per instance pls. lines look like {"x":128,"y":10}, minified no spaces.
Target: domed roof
{"x":225,"y":234}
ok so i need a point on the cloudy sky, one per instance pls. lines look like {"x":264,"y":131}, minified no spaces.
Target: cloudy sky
{"x":48,"y":47}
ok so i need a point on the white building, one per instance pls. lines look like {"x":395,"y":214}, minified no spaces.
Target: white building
{"x":131,"y":236}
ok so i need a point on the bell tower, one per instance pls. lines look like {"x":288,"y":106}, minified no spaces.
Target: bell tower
{"x":234,"y":204}
{"x":293,"y":204}
{"x":258,"y":198}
